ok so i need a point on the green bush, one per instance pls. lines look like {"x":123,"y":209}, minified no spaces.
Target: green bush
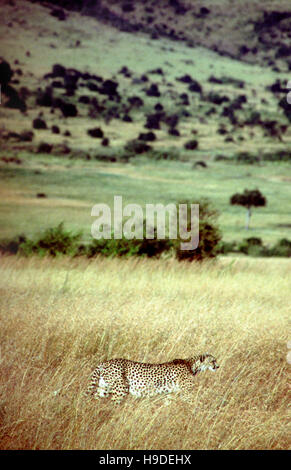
{"x":54,"y":241}
{"x":249,"y":245}
{"x":124,"y":247}
{"x":112,"y":247}
{"x":136,"y":147}
{"x":209,"y":237}
{"x":279,"y":156}
{"x":12,"y":246}
{"x":254,"y":247}
{"x":246,"y":158}
{"x":110,"y":154}
{"x":281,"y":248}
{"x":164,"y":154}
{"x":209,"y":234}
{"x":57,"y":241}
{"x":227,"y":247}
{"x":254,"y":118}
{"x":221,"y":158}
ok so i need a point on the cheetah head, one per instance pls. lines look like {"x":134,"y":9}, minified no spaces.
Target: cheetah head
{"x":204,"y":362}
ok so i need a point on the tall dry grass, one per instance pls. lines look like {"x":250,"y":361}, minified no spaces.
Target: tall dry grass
{"x":59,"y":318}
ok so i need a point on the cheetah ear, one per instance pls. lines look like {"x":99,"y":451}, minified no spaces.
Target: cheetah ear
{"x":202,"y":357}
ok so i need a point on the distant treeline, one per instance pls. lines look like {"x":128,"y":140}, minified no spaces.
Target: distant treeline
{"x":58,"y":241}
{"x":254,"y":246}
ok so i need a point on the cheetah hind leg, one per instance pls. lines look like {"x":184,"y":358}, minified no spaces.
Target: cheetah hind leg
{"x":94,"y":383}
{"x":103,"y":389}
{"x":119,"y":391}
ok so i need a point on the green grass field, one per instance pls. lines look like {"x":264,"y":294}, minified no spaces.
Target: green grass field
{"x":73,"y":187}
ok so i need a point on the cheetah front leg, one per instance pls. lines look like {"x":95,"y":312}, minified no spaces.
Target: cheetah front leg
{"x":186,"y":392}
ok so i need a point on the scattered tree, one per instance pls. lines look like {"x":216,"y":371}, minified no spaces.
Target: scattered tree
{"x":249,"y":199}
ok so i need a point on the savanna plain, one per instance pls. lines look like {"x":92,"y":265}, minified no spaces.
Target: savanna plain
{"x":157,"y":102}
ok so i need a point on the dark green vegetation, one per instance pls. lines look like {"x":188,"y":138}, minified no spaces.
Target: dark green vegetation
{"x":258,"y":32}
{"x":249,"y":199}
{"x":59,"y":241}
{"x":154,"y":101}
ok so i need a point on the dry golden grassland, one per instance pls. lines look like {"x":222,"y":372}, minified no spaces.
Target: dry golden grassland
{"x":60,"y":317}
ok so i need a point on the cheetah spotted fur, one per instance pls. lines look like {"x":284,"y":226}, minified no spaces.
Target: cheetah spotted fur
{"x":119,"y":378}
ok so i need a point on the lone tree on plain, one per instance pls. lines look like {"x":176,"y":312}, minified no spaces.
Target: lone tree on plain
{"x":249,"y":199}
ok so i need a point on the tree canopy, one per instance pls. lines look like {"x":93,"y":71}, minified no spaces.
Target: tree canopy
{"x":249,"y":199}
{"x":253,"y":198}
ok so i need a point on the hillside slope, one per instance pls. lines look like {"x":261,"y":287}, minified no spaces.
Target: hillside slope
{"x":253,"y":31}
{"x":78,"y":74}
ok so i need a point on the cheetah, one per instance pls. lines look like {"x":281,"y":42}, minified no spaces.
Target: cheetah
{"x":122,"y":377}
